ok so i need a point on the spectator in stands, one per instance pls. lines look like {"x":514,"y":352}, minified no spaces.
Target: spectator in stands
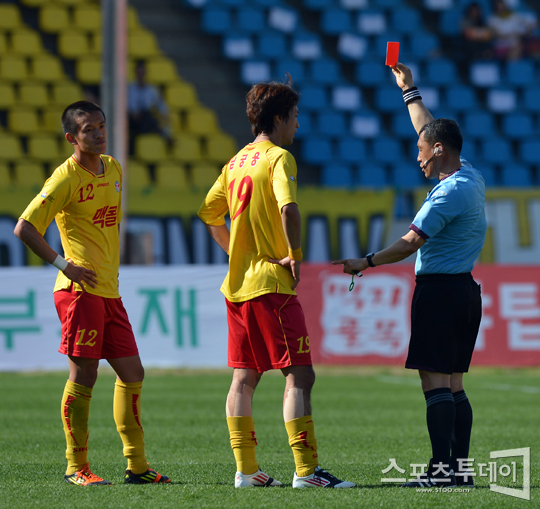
{"x":148,"y":112}
{"x":511,"y":31}
{"x":476,"y":34}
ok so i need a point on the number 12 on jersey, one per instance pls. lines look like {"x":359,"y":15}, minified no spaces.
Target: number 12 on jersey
{"x":244,"y":191}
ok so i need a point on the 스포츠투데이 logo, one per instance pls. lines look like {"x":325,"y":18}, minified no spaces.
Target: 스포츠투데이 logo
{"x":117,"y":186}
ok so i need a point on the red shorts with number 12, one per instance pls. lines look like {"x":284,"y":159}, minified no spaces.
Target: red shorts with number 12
{"x":94,"y":327}
{"x":267,"y":332}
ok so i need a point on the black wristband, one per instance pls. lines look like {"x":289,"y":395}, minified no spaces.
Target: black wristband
{"x":369,"y":261}
{"x":410,"y":95}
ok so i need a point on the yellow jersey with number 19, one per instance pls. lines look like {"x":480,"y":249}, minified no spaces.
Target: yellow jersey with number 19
{"x":253,"y":187}
{"x":87,"y":209}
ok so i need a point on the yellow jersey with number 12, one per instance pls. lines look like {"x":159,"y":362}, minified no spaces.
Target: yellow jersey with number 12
{"x":87,"y":209}
{"x":253,"y":187}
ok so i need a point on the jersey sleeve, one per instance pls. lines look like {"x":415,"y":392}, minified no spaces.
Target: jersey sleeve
{"x":57,"y":192}
{"x":436,"y":212}
{"x":215,"y":206}
{"x":284,"y":178}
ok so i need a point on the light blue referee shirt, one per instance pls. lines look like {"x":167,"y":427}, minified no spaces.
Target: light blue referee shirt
{"x":452,"y":221}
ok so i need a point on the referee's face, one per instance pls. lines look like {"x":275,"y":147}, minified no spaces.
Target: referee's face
{"x":425,"y":157}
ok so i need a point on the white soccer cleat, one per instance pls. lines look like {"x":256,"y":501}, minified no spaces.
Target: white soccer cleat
{"x":258,"y":479}
{"x":320,"y":479}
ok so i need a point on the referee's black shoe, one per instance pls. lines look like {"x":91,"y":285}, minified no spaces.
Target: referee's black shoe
{"x":430,"y":479}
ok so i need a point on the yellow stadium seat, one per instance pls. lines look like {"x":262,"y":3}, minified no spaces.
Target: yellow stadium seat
{"x":13,"y":67}
{"x":180,"y":95}
{"x":54,"y":18}
{"x":137,"y":175}
{"x":47,"y":67}
{"x":3,"y":43}
{"x":87,"y":17}
{"x":201,"y":121}
{"x":96,"y":43}
{"x":52,"y":119}
{"x":161,"y":70}
{"x":23,"y":120}
{"x":30,"y":174}
{"x":10,"y":17}
{"x":133,"y":18}
{"x":5,"y":176}
{"x":203,"y":175}
{"x":66,"y":148}
{"x":187,"y":148}
{"x":26,"y":42}
{"x":7,"y":95}
{"x":33,"y":93}
{"x":171,"y":175}
{"x":43,"y":147}
{"x":66,"y":92}
{"x":88,"y":70}
{"x":151,"y":148}
{"x":142,"y":44}
{"x":68,"y":2}
{"x":10,"y":147}
{"x":73,"y":43}
{"x":176,"y":122}
{"x":35,"y":3}
{"x":220,"y":147}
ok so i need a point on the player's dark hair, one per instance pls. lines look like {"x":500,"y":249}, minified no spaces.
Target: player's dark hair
{"x":74,"y":111}
{"x":266,"y":100}
{"x":445,"y":131}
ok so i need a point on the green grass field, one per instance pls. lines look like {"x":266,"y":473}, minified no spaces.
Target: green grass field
{"x":363,"y":417}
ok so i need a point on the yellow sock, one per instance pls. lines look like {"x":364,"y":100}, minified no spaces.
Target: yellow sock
{"x":74,"y":411}
{"x":127,"y":416}
{"x":303,"y":443}
{"x":243,"y":442}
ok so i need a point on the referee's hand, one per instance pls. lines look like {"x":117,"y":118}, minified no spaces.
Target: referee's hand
{"x":352,"y":265}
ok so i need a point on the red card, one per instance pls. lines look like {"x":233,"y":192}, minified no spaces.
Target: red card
{"x":392,"y":53}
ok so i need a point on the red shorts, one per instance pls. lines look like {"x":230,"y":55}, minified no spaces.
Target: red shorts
{"x":268,"y":332}
{"x":94,"y":327}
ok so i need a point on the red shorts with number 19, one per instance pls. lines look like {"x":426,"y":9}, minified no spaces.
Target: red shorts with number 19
{"x":267,"y":332}
{"x":94,"y":327}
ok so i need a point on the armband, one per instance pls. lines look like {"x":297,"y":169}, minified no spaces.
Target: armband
{"x":296,"y":254}
{"x":410,"y":95}
{"x":60,"y":263}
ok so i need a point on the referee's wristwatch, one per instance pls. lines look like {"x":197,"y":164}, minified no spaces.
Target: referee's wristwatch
{"x":369,"y":261}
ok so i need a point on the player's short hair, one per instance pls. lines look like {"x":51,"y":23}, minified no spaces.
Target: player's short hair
{"x":445,"y":131}
{"x":266,"y":100}
{"x":74,"y":111}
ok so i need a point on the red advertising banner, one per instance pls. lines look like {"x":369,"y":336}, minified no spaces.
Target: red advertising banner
{"x":371,"y":324}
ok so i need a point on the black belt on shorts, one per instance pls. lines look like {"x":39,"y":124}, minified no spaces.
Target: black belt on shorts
{"x":425,"y":278}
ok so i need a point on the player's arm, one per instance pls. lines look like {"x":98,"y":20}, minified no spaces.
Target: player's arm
{"x":28,"y":233}
{"x":399,"y":250}
{"x":420,"y":115}
{"x":220,"y":234}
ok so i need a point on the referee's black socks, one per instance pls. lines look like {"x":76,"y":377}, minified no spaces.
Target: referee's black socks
{"x":462,"y":427}
{"x":440,"y":414}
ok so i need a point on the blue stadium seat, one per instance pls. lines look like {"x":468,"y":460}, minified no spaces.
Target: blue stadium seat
{"x":216,"y":20}
{"x":272,"y":45}
{"x":335,"y":20}
{"x":501,"y":100}
{"x":529,"y":152}
{"x":450,"y":22}
{"x":516,"y":175}
{"x":371,"y":73}
{"x":325,"y":70}
{"x":386,"y":4}
{"x":531,"y":98}
{"x":250,"y":19}
{"x":520,"y":72}
{"x":402,"y":126}
{"x":387,"y":149}
{"x":346,"y":97}
{"x":254,"y":71}
{"x":478,"y":124}
{"x":388,"y":99}
{"x":485,"y":74}
{"x":372,"y":22}
{"x":461,"y":98}
{"x":266,"y":3}
{"x":313,"y":97}
{"x":441,"y":71}
{"x":469,"y":151}
{"x":352,"y":46}
{"x":517,"y":125}
{"x":366,"y":125}
{"x":407,"y":176}
{"x":318,"y":4}
{"x":406,"y":20}
{"x":238,"y":47}
{"x":331,"y":123}
{"x":306,"y":46}
{"x":488,"y":172}
{"x":351,"y":150}
{"x":317,"y":150}
{"x":496,"y":150}
{"x":424,"y":45}
{"x":294,"y":67}
{"x":232,"y":3}
{"x":371,"y":174}
{"x":306,"y":125}
{"x":337,"y":175}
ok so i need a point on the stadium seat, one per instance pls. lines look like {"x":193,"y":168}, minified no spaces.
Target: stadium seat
{"x":187,"y":148}
{"x":13,"y":68}
{"x":485,"y":74}
{"x":87,"y":16}
{"x":335,"y":21}
{"x":501,"y":100}
{"x":520,"y":72}
{"x":238,"y":47}
{"x":7,"y":95}
{"x":516,"y":175}
{"x":407,"y":176}
{"x":171,"y":175}
{"x":10,"y":147}
{"x":469,"y":150}
{"x":317,"y":150}
{"x":441,"y":71}
{"x":46,"y":67}
{"x":10,"y":16}
{"x":388,"y":99}
{"x":387,"y":149}
{"x":293,"y":67}
{"x":26,"y":42}
{"x":406,"y":20}
{"x":180,"y":95}
{"x":138,"y":176}
{"x":366,"y":125}
{"x":70,"y":3}
{"x":424,"y":45}
{"x":306,"y":46}
{"x":479,"y":124}
{"x":450,"y":22}
{"x":216,"y":20}
{"x":88,"y":70}
{"x":529,"y":152}
{"x":402,"y":126}
{"x":313,"y":97}
{"x":203,"y":175}
{"x":496,"y":150}
{"x":23,"y":120}
{"x":370,"y":73}
{"x":531,"y":98}
{"x":201,"y":120}
{"x":271,"y":45}
{"x":43,"y":147}
{"x":283,"y":19}
{"x":254,"y":71}
{"x":371,"y":174}
{"x":66,"y":92}
{"x":250,"y":19}
{"x":30,"y":174}
{"x":351,"y":150}
{"x":220,"y":147}
{"x":53,"y":18}
{"x":337,"y":175}
{"x":142,"y":44}
{"x":384,"y":4}
{"x":33,"y":93}
{"x":150,"y":148}
{"x":461,"y":97}
{"x":371,"y":22}
{"x":352,"y":46}
{"x":488,"y":172}
{"x":325,"y":70}
{"x":161,"y":71}
{"x":331,"y":123}
{"x":6,"y":179}
{"x":346,"y":97}
{"x":306,"y":125}
{"x":51,"y":116}
{"x":430,"y":97}
{"x":73,"y":43}
{"x":3,"y":43}
{"x":317,"y":4}
{"x":517,"y":125}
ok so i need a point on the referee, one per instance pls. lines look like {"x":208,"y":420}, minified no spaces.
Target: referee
{"x":448,"y":232}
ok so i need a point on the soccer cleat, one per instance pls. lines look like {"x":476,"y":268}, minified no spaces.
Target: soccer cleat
{"x":429,"y":479}
{"x":320,"y":479}
{"x":85,"y":477}
{"x":148,"y":477}
{"x":259,"y":479}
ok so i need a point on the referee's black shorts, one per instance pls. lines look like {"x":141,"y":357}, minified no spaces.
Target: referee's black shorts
{"x":445,"y":318}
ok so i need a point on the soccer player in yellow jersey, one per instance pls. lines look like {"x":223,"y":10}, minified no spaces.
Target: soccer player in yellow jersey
{"x":84,"y":196}
{"x":266,"y":323}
